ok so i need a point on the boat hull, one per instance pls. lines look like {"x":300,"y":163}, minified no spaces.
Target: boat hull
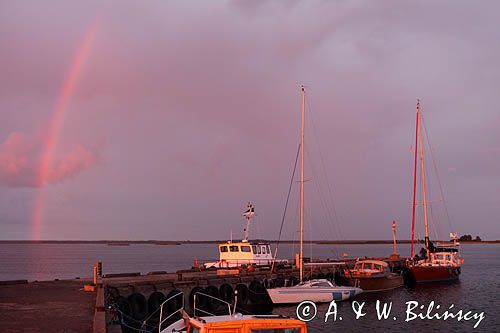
{"x":292,"y":295}
{"x":423,"y":274}
{"x":376,"y":283}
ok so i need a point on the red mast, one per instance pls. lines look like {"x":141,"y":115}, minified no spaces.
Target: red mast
{"x":414,"y":183}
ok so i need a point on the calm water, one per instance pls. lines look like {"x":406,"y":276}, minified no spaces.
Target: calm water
{"x":478,"y":289}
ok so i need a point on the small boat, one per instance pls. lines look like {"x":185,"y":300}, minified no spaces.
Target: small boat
{"x":229,"y":322}
{"x":244,"y":253}
{"x":437,"y":263}
{"x":319,"y":290}
{"x":373,"y":275}
{"x":237,"y":323}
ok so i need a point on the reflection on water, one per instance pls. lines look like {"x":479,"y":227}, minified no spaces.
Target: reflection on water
{"x":477,"y":290}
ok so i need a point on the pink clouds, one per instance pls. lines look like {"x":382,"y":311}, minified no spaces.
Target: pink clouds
{"x":19,"y":161}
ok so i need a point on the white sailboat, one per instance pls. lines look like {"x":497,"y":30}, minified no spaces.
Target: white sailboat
{"x":318,"y":290}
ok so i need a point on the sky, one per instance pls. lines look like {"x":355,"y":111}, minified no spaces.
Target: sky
{"x":162,"y":119}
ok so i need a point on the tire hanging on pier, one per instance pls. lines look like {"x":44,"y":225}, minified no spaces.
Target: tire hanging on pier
{"x":242,"y":294}
{"x":139,"y":306}
{"x":154,"y":302}
{"x":226,"y":293}
{"x":257,"y":292}
{"x":126,"y":314}
{"x":176,"y":302}
{"x":212,"y":304}
{"x":200,"y":299}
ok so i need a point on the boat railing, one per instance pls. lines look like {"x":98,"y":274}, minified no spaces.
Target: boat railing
{"x":195,"y":308}
{"x":144,"y":326}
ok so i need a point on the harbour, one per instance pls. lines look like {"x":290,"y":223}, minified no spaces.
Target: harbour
{"x":19,"y":299}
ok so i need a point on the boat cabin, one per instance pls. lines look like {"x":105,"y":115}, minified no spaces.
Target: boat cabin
{"x":234,"y":254}
{"x":446,"y":258}
{"x":371,"y":266}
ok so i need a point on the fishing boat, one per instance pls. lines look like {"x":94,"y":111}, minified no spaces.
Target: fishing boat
{"x":231,"y":321}
{"x":243,"y":253}
{"x":318,"y":290}
{"x":373,"y":275}
{"x":440,"y":262}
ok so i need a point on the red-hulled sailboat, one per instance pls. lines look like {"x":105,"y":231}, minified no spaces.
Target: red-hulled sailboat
{"x":440,"y":262}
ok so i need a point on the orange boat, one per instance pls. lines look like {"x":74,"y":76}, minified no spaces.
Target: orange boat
{"x":238,"y":324}
{"x":232,"y":322}
{"x":373,"y":275}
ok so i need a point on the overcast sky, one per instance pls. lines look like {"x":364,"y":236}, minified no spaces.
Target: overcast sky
{"x":184,"y":111}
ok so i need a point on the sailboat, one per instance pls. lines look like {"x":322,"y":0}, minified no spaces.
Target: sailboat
{"x":317,"y":290}
{"x":439,"y":262}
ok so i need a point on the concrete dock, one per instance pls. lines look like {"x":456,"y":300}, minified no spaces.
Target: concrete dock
{"x":46,"y":307}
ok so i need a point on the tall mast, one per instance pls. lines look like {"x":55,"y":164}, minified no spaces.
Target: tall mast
{"x":301,"y":259}
{"x":414,"y":183}
{"x":426,"y":221}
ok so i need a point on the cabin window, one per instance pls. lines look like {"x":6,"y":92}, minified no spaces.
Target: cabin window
{"x":447,"y":257}
{"x":233,"y":248}
{"x":258,"y":249}
{"x":254,"y":248}
{"x":263,"y":249}
{"x":377,"y":267}
{"x":321,"y":284}
{"x":245,"y":248}
{"x":223,"y":249}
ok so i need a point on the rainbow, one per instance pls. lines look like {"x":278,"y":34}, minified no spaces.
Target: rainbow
{"x":57,"y":120}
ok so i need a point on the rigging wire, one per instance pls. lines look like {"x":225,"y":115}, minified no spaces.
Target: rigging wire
{"x":437,"y":176}
{"x":332,"y":213}
{"x":326,"y":214}
{"x":286,"y":202}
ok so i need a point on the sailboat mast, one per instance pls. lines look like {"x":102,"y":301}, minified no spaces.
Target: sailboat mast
{"x":414,"y":183}
{"x":301,"y":258}
{"x":422,"y":170}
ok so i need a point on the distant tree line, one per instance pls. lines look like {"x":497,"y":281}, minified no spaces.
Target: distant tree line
{"x":469,"y":238}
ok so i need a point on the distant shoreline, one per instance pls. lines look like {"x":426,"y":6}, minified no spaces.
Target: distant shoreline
{"x":158,"y":242}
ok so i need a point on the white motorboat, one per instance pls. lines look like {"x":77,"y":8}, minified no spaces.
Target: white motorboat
{"x":320,"y":290}
{"x":317,"y":291}
{"x":233,"y":254}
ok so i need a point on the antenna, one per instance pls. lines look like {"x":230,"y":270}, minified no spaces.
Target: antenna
{"x":248,"y":214}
